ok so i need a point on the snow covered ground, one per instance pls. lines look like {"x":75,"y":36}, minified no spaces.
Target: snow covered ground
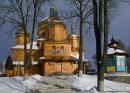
{"x":16,"y":84}
{"x":87,"y":84}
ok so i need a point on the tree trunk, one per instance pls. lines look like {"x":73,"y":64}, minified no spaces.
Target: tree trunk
{"x":98,"y":29}
{"x":100,"y":86}
{"x":35,"y":14}
{"x":105,"y":32}
{"x":25,"y":52}
{"x":24,"y":27}
{"x":32,"y":35}
{"x":80,"y":66}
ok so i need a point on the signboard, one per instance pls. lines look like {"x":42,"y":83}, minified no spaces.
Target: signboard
{"x":111,"y":69}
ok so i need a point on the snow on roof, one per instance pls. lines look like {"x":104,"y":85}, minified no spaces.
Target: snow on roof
{"x":57,"y":21}
{"x":28,"y":46}
{"x":45,"y":18}
{"x":22,"y":63}
{"x":34,"y":62}
{"x":73,"y":34}
{"x":88,"y":83}
{"x":42,"y":58}
{"x":77,"y":57}
{"x":48,"y":18}
{"x":112,"y":51}
{"x":18,"y":63}
{"x":16,"y":84}
{"x":41,"y":39}
{"x":120,"y":51}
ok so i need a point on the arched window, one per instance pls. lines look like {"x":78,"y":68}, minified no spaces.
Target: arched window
{"x":43,"y":34}
{"x":53,"y":50}
{"x":72,"y":45}
{"x":62,"y":50}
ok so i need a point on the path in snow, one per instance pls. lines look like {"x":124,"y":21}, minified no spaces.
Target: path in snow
{"x":85,"y":84}
{"x":58,"y":84}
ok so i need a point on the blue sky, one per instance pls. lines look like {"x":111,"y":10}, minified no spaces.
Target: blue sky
{"x":119,"y":28}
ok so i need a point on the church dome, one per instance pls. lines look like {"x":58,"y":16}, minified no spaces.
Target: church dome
{"x":113,"y":43}
{"x":54,"y":16}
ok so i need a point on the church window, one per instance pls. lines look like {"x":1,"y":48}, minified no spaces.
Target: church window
{"x":62,"y":50}
{"x":72,"y":45}
{"x":53,"y":50}
{"x":43,"y":34}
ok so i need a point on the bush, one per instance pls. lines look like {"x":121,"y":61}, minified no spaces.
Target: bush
{"x":60,"y":74}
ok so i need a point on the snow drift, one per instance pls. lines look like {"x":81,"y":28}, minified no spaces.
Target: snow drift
{"x":16,"y":84}
{"x":87,"y":84}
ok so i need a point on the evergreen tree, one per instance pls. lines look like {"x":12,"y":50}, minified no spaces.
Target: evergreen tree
{"x":9,"y":63}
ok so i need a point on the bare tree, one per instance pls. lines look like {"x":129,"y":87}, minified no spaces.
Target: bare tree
{"x":81,"y":10}
{"x":101,"y":10}
{"x":24,"y":14}
{"x":101,"y":25}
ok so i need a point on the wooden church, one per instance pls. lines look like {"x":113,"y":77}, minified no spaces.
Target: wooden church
{"x":117,"y":58}
{"x":53,"y":52}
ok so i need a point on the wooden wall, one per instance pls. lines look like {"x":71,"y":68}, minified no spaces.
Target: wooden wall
{"x":20,"y":39}
{"x":18,"y":54}
{"x":48,"y":49}
{"x":63,"y":67}
{"x":14,"y":72}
